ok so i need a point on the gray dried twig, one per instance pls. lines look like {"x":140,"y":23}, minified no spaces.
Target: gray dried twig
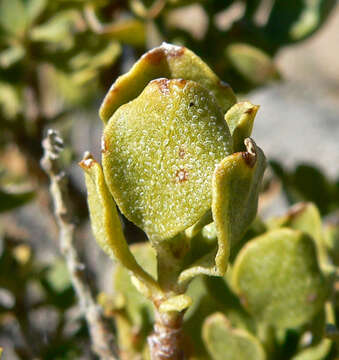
{"x":103,"y":341}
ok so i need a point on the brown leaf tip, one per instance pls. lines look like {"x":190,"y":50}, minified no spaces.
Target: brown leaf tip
{"x":163,"y":85}
{"x":172,"y":50}
{"x":87,"y":161}
{"x":296,"y":209}
{"x":250,"y":155}
{"x":181,"y":175}
{"x":180,"y":82}
{"x":157,"y":55}
{"x":252,"y":110}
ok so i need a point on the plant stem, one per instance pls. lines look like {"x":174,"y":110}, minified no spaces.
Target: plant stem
{"x":166,"y":342}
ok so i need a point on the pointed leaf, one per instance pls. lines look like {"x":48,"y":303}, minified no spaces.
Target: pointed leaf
{"x":105,"y":221}
{"x":240,"y":118}
{"x":159,"y":154}
{"x":235,"y":188}
{"x":278,"y":278}
{"x":165,"y":61}
{"x":226,"y":343}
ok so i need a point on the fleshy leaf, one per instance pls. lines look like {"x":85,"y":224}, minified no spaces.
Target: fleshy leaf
{"x":159,"y":154}
{"x":252,"y":63}
{"x":167,"y":61}
{"x":240,"y":118}
{"x":226,"y":343}
{"x":106,"y":224}
{"x":278,"y":278}
{"x":235,"y":188}
{"x":306,"y":217}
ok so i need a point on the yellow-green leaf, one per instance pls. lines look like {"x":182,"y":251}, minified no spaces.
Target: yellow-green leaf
{"x":235,"y":188}
{"x":159,"y":154}
{"x":167,"y":61}
{"x":226,"y":343}
{"x":278,"y":279}
{"x":240,"y":119}
{"x":252,"y":63}
{"x":106,"y":224}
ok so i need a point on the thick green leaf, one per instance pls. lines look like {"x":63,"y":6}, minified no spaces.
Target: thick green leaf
{"x":159,"y":154}
{"x":305,"y":217}
{"x":167,"y":61}
{"x":278,"y":278}
{"x":226,"y":343}
{"x":240,"y":119}
{"x":252,"y":63}
{"x":235,"y":188}
{"x":106,"y":224}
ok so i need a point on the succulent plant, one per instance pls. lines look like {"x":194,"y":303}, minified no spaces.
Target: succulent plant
{"x":276,"y":300}
{"x":176,"y":156}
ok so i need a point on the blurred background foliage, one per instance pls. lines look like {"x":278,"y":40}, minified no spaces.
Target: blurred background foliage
{"x":57,"y":60}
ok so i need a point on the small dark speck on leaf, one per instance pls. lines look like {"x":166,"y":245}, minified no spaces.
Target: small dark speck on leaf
{"x":181,"y":175}
{"x":191,"y":104}
{"x":249,"y":111}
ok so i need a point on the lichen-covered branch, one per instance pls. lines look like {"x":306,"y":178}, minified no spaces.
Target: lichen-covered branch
{"x":103,"y":342}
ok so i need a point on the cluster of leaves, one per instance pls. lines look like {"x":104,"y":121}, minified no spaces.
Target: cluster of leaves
{"x":54,"y":57}
{"x":277,"y":300}
{"x":278,"y":292}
